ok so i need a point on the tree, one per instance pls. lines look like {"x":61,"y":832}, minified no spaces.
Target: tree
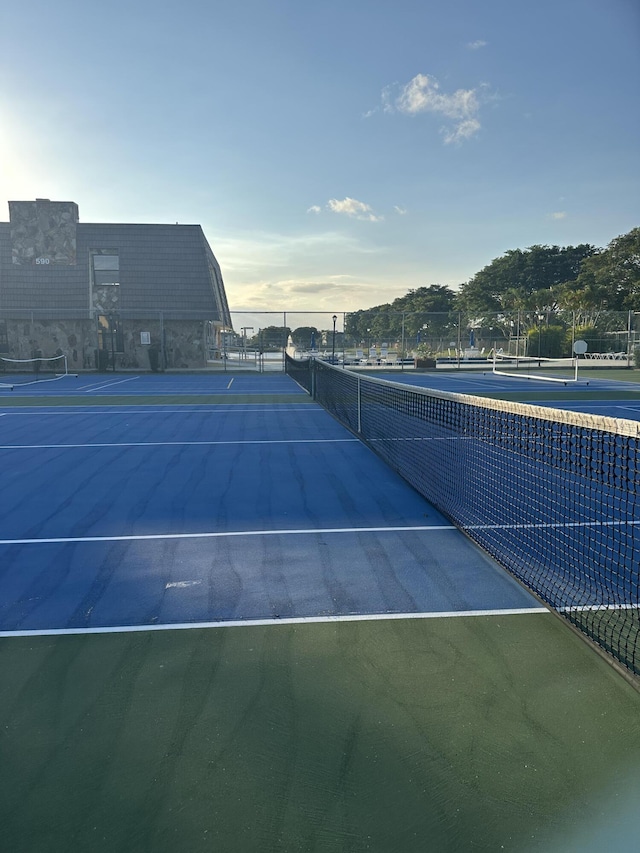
{"x":609,"y":280}
{"x":271,"y":337}
{"x":303,"y":334}
{"x":511,"y":282}
{"x":432,"y":306}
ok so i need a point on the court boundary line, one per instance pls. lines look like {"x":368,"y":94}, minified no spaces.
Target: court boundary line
{"x":143,"y":409}
{"x":306,"y":531}
{"x":178,"y":443}
{"x":274,"y":620}
{"x":221,"y":534}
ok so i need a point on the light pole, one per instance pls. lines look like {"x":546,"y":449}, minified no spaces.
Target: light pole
{"x":540,"y":319}
{"x":333,"y":345}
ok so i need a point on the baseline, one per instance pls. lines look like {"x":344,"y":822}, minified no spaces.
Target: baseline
{"x":253,"y":623}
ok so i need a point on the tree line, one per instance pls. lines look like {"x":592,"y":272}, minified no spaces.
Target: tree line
{"x":543,"y":290}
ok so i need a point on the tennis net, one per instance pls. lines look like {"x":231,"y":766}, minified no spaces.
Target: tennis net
{"x":27,"y":371}
{"x":553,"y":496}
{"x":562,"y":370}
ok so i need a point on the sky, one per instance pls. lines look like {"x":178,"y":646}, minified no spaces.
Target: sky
{"x":336,"y":153}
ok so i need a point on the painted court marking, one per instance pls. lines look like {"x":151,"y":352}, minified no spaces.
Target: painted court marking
{"x":177,"y":443}
{"x":196,"y":408}
{"x":221,"y":534}
{"x":94,"y":387}
{"x":312,"y":531}
{"x":251,"y":623}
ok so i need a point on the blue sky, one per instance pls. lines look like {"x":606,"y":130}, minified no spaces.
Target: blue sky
{"x":337,"y":154}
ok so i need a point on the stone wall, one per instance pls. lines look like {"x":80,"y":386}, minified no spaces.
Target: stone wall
{"x":43,"y":232}
{"x":184,"y":343}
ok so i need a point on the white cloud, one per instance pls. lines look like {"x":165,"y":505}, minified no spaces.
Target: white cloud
{"x":476,"y":45}
{"x":422,"y":94}
{"x":463,"y":130}
{"x":559,"y":214}
{"x":353,"y":208}
{"x":401,"y":211}
{"x":314,"y":209}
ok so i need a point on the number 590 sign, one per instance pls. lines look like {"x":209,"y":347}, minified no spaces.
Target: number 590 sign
{"x":42,"y":260}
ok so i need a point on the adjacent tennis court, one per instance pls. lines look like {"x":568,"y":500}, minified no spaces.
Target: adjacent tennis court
{"x":225,"y":623}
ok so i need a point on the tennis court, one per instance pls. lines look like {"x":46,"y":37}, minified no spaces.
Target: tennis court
{"x":227,"y":624}
{"x":609,"y":392}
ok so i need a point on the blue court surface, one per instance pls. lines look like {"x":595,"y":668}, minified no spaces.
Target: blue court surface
{"x":136,"y":384}
{"x":595,"y":395}
{"x":144,"y":515}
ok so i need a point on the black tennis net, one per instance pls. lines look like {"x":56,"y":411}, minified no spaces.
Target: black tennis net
{"x":551,"y":495}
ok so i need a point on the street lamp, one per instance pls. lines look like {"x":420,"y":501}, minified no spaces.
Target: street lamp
{"x":333,"y":347}
{"x":540,"y":319}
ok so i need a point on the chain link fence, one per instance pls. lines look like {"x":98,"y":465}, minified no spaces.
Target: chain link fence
{"x":257,"y":341}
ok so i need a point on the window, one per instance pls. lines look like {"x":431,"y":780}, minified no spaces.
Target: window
{"x":105,"y":267}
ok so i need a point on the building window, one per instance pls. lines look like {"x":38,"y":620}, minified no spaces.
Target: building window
{"x":106,"y":269}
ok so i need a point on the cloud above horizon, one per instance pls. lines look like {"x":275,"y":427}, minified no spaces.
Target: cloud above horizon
{"x":348,"y":207}
{"x":476,"y":45}
{"x":422,"y":94}
{"x":353,"y":208}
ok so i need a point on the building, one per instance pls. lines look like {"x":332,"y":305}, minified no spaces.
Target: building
{"x":108,"y":295}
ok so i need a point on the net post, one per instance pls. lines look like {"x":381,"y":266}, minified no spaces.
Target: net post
{"x":359,"y":406}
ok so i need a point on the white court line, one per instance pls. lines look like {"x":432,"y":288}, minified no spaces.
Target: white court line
{"x":107,"y":385}
{"x":313,"y":531}
{"x":178,"y":443}
{"x":253,"y":623}
{"x":230,"y":384}
{"x":102,"y":411}
{"x":222,"y":534}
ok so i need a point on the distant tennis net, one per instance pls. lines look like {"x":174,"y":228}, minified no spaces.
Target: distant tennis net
{"x":26,"y":371}
{"x":562,"y":370}
{"x":551,"y":495}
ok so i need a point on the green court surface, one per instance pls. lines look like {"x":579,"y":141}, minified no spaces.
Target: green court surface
{"x":439,"y":734}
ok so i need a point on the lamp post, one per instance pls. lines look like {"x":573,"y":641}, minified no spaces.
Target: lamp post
{"x":333,"y":345}
{"x":540,"y":319}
